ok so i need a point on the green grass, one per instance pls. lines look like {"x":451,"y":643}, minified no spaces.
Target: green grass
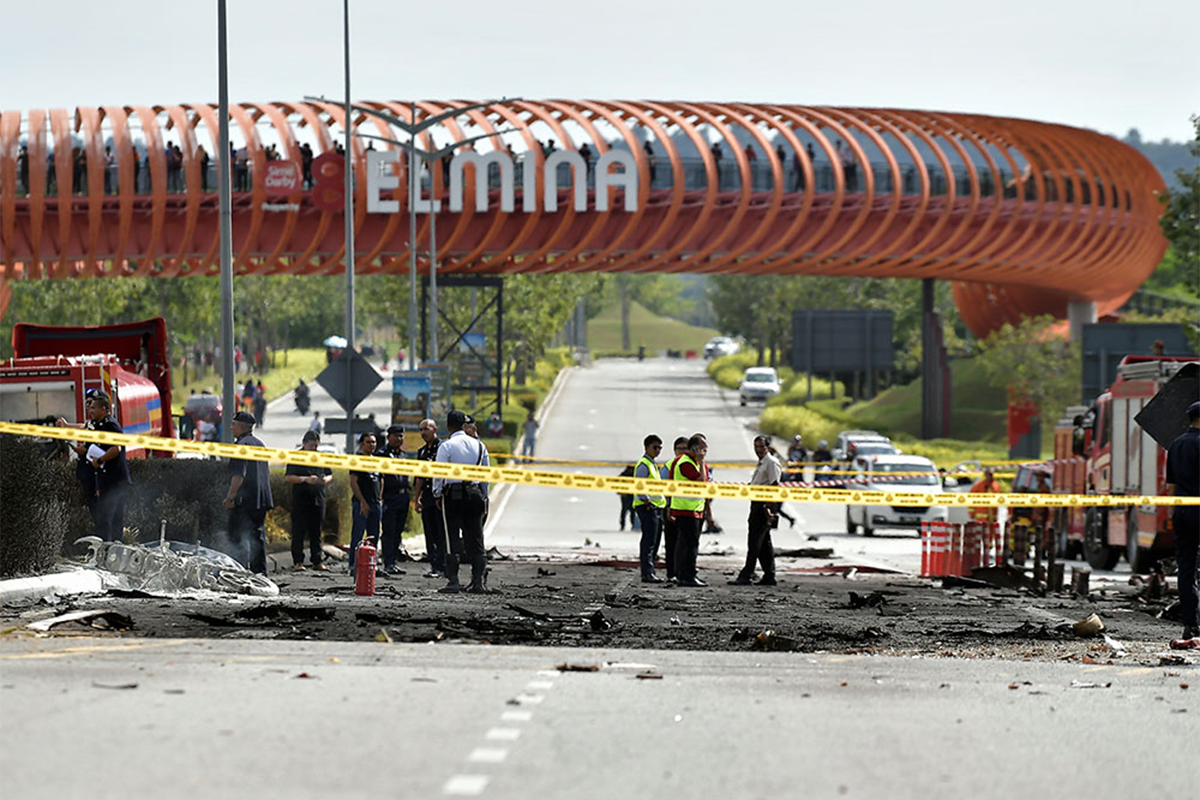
{"x":290,"y":367}
{"x":645,"y":328}
{"x":977,"y":418}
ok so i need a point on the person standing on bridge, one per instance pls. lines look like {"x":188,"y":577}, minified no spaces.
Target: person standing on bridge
{"x":763,"y":517}
{"x":1183,"y":480}
{"x":649,"y":508}
{"x":463,"y":505}
{"x":688,"y":512}
{"x":248,"y":499}
{"x":431,"y":515}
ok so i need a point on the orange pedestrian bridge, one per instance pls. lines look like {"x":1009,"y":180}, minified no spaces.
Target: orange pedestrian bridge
{"x":1024,"y":217}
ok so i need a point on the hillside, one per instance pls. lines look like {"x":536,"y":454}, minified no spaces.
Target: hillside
{"x":655,"y":332}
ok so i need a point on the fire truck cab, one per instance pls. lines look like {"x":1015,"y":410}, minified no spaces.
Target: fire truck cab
{"x":1120,"y":458}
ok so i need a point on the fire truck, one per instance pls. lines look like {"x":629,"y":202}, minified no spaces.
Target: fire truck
{"x":1101,"y":449}
{"x":53,"y":367}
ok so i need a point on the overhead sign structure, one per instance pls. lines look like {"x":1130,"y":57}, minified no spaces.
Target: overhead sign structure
{"x":363,"y":379}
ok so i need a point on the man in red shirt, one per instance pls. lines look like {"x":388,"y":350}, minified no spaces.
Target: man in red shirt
{"x":688,"y":512}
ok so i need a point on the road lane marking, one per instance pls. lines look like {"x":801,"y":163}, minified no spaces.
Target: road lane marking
{"x":530,"y":699}
{"x":99,"y":648}
{"x":536,"y":686}
{"x":503,"y":734}
{"x":468,"y":785}
{"x":516,"y":716}
{"x":488,"y":755}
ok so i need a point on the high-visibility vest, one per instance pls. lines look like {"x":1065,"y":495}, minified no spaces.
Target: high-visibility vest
{"x":656,"y":500}
{"x":685,"y":503}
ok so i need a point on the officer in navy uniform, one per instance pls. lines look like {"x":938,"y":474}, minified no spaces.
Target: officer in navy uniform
{"x":248,"y":499}
{"x":103,"y":472}
{"x":426,"y":505}
{"x":1183,"y":480}
{"x":463,"y":505}
{"x":395,"y":503}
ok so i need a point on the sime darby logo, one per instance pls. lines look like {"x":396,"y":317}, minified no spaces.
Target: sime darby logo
{"x":281,"y":178}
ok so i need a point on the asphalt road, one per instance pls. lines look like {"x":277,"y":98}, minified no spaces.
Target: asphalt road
{"x":603,"y":412}
{"x":253,"y":719}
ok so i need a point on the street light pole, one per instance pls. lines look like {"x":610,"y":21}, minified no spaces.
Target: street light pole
{"x":225,"y":214}
{"x":413,"y":187}
{"x":349,"y":214}
{"x":433,"y":289}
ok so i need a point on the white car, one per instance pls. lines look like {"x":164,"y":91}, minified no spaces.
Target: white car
{"x":758,"y":383}
{"x":720,"y":346}
{"x":897,"y":474}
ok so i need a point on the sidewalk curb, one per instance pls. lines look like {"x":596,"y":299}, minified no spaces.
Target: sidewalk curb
{"x":18,"y":590}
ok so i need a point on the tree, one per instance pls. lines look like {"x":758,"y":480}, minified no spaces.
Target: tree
{"x":1181,"y":220}
{"x":1034,"y":362}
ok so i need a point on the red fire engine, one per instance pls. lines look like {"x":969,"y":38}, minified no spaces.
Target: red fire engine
{"x":54,"y":366}
{"x":1102,"y":450}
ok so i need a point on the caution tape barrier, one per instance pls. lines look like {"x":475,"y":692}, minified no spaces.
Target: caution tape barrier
{"x":583,"y":482}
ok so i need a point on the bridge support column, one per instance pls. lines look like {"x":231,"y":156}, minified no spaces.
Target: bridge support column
{"x":1080,"y":313}
{"x":935,"y":372}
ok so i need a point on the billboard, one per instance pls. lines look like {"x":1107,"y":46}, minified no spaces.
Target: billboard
{"x":410,"y":397}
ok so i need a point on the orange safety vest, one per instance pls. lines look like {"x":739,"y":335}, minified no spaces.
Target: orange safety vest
{"x":984,"y":513}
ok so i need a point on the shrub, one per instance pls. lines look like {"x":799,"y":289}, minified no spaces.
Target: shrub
{"x":786,"y":421}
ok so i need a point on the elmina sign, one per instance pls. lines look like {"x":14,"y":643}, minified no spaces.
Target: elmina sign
{"x":381,"y":178}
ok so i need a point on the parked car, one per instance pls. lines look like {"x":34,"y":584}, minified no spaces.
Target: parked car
{"x":899,"y":474}
{"x":758,"y":383}
{"x":720,"y":346}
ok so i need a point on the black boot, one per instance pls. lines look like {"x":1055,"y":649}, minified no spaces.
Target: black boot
{"x":452,"y":585}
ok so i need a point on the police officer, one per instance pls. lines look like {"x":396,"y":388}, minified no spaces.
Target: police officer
{"x":365,"y":508}
{"x":395,"y":503}
{"x":308,"y":506}
{"x":431,"y":515}
{"x":248,"y":499}
{"x":670,"y":535}
{"x":463,"y":504}
{"x":763,"y":517}
{"x":103,"y":472}
{"x":1183,"y":480}
{"x":688,"y":512}
{"x":649,"y":508}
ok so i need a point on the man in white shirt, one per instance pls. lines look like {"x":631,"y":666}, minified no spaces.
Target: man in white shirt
{"x":463,"y":505}
{"x":315,"y":426}
{"x":763,"y":517}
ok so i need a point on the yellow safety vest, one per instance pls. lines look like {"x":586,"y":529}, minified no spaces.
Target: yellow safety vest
{"x":685,"y":503}
{"x":656,"y":500}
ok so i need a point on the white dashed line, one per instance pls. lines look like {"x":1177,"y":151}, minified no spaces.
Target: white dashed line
{"x":467,"y":785}
{"x":548,"y":673}
{"x":488,"y":755}
{"x":516,"y":716}
{"x":538,"y":686}
{"x":503,"y":734}
{"x":530,"y":699}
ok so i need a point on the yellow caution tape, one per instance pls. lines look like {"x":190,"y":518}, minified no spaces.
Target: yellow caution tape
{"x":601,"y":483}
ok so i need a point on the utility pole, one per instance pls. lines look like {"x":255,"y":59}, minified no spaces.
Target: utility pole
{"x":225,"y":214}
{"x":413,"y":187}
{"x":433,"y":289}
{"x":349,"y":214}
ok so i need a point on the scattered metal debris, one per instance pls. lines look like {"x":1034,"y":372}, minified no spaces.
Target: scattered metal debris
{"x":174,"y":567}
{"x":648,"y":676}
{"x":114,"y":685}
{"x":1090,"y":626}
{"x":110,"y":618}
{"x":872,"y":600}
{"x":578,"y":668}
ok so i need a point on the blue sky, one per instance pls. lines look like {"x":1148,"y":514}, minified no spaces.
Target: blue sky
{"x":1099,"y":64}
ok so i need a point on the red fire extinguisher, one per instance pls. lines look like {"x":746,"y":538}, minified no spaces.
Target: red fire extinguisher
{"x":364,"y":569}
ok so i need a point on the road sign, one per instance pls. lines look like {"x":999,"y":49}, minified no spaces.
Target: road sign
{"x":361,"y":425}
{"x":363,"y":379}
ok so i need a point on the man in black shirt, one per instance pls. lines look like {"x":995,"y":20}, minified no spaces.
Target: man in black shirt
{"x":395,"y":503}
{"x":1183,"y":480}
{"x":308,"y":506}
{"x":103,"y":472}
{"x":364,"y":508}
{"x":431,"y":516}
{"x":248,"y":499}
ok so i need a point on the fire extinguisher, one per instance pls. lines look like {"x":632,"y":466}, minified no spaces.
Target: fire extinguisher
{"x":364,"y":569}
